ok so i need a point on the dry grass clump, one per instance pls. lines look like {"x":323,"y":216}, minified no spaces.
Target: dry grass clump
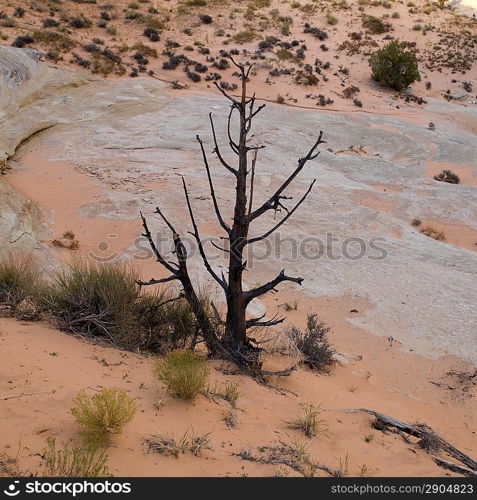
{"x":19,"y":274}
{"x":317,"y":352}
{"x":170,"y":447}
{"x":308,"y":422}
{"x":184,"y":372}
{"x":103,"y":415}
{"x":432,"y":232}
{"x":230,"y":392}
{"x":69,"y":461}
{"x":447,"y":176}
{"x":8,"y":466}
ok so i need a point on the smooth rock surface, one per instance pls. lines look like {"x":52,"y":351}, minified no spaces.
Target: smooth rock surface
{"x":133,"y":134}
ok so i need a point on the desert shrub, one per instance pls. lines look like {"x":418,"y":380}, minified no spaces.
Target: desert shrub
{"x":152,"y":34}
{"x":184,"y":372}
{"x":56,"y":41}
{"x":394,"y":66}
{"x":434,"y":233}
{"x":375,"y":25}
{"x":19,"y":275}
{"x":103,"y":415}
{"x":206,"y":19}
{"x":316,"y":32}
{"x":313,"y":343}
{"x":50,"y":23}
{"x":447,"y":176}
{"x":22,"y":40}
{"x":162,"y":328}
{"x":245,"y":36}
{"x":18,"y":12}
{"x":145,"y":49}
{"x":69,"y":461}
{"x":80,"y":22}
{"x":91,"y":298}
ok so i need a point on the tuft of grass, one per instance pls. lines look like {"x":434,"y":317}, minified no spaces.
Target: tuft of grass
{"x":308,"y":422}
{"x":69,"y":235}
{"x":69,"y":461}
{"x":368,"y":438}
{"x":230,"y":418}
{"x":416,"y":222}
{"x":432,"y":232}
{"x":19,"y":275}
{"x":230,"y":392}
{"x":103,"y":415}
{"x":184,"y":372}
{"x":170,"y":447}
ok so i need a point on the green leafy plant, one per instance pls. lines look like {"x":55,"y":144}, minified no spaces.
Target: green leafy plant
{"x":394,"y":66}
{"x":103,"y":415}
{"x":184,"y":372}
{"x":69,"y":461}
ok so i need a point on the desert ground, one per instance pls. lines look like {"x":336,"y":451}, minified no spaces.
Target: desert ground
{"x":98,"y":123}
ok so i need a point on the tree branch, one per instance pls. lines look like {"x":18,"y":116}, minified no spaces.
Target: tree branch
{"x":217,"y":150}
{"x":282,"y":221}
{"x":196,"y":235}
{"x":260,"y":290}
{"x":271,"y":203}
{"x":147,"y":234}
{"x":212,"y":192}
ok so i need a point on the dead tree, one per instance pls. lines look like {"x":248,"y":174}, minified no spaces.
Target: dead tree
{"x":234,"y":343}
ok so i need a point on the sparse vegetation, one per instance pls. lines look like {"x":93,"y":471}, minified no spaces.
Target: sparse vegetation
{"x":170,"y":447}
{"x":308,"y":422}
{"x":103,"y":415}
{"x":70,"y":461}
{"x":434,"y":233}
{"x":313,"y":343}
{"x":184,"y":372}
{"x":447,"y":176}
{"x":18,"y":277}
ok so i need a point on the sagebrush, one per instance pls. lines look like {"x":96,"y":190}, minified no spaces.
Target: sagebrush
{"x":103,"y":415}
{"x":184,"y":372}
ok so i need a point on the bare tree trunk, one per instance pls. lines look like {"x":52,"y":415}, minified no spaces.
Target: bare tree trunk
{"x":235,"y":323}
{"x":234,"y":344}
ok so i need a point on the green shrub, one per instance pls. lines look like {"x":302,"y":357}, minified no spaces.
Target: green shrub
{"x":184,"y":373}
{"x":18,"y":276}
{"x":103,"y":415}
{"x":394,"y":66}
{"x":74,"y":462}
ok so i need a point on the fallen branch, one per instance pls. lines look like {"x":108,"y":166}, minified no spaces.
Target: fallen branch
{"x":428,"y":439}
{"x":24,"y":394}
{"x":460,"y":469}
